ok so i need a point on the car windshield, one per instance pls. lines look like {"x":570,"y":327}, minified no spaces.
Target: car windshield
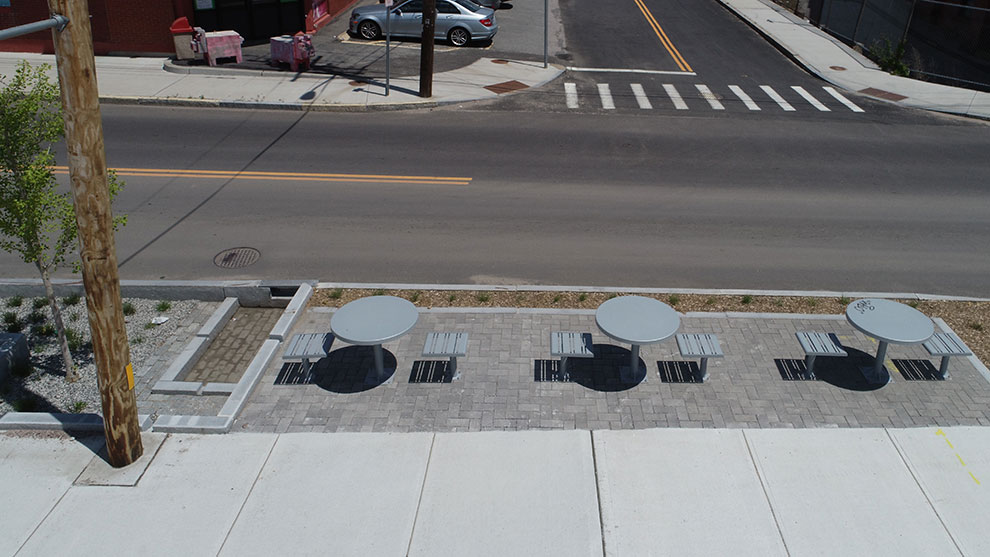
{"x":469,"y":5}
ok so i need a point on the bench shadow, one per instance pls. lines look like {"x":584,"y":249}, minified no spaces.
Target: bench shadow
{"x":679,"y":372}
{"x":431,"y":371}
{"x":918,"y":370}
{"x":601,"y":373}
{"x":344,"y":370}
{"x":841,"y":372}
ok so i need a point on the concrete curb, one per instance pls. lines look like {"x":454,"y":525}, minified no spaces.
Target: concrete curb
{"x":61,"y":422}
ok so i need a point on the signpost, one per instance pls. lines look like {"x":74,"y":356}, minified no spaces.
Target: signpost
{"x":388,"y":42}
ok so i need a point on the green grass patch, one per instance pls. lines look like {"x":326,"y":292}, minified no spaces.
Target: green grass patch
{"x":673,"y":299}
{"x":36,"y":317}
{"x":128,"y":309}
{"x":78,"y":406}
{"x":71,"y":299}
{"x":483,"y":297}
{"x":163,"y":306}
{"x":336,"y":293}
{"x":746,"y":300}
{"x":39,"y":303}
{"x":15,"y":302}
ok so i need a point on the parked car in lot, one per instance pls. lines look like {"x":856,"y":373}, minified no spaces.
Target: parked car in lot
{"x":458,"y":21}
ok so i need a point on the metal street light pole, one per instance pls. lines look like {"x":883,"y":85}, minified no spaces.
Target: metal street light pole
{"x":91,"y":197}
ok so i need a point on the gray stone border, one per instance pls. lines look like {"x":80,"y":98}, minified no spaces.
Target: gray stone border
{"x":239,"y":392}
{"x":167,"y":383}
{"x":60,"y":421}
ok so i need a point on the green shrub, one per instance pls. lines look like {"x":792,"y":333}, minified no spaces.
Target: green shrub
{"x":74,"y":338}
{"x":39,"y":303}
{"x":889,"y":57}
{"x":484,"y":297}
{"x":336,"y":293}
{"x":582,"y":297}
{"x":378,"y":292}
{"x":45,"y":330}
{"x":976,"y":326}
{"x":78,"y":406}
{"x":673,"y":299}
{"x":556,"y":298}
{"x":451,"y":298}
{"x":163,"y":306}
{"x":138,"y":339}
{"x":710,"y":301}
{"x":747,"y":299}
{"x":149,"y":325}
{"x":128,"y":308}
{"x":9,"y":317}
{"x":71,"y":299}
{"x":844,"y":301}
{"x":36,"y":317}
{"x":14,"y":327}
{"x":414,"y":297}
{"x":15,"y":302}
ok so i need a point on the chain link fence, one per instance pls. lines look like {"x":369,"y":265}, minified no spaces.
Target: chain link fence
{"x":944,"y":41}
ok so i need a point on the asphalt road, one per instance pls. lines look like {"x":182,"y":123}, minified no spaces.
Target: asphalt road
{"x":557,"y":199}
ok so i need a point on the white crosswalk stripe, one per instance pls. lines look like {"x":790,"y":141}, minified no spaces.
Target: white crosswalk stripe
{"x":640,"y":94}
{"x":707,"y":94}
{"x":570,"y":92}
{"x":746,"y":99}
{"x":679,"y":103}
{"x":812,"y":100}
{"x":842,"y":99}
{"x":777,"y":98}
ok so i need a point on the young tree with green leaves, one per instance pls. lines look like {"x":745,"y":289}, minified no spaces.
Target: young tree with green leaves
{"x":37,"y":221}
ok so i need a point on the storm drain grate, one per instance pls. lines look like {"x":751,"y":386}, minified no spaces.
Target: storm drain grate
{"x":235,"y":258}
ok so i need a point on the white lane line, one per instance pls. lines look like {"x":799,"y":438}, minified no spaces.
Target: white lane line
{"x":807,"y":96}
{"x":637,"y":90}
{"x":624,"y":70}
{"x":679,"y":103}
{"x":777,"y":98}
{"x":744,"y":97}
{"x":570,"y":91}
{"x":842,"y":99}
{"x":709,"y":96}
{"x":606,"y":96}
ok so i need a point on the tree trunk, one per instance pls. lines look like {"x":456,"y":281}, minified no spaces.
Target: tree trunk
{"x":71,"y":375}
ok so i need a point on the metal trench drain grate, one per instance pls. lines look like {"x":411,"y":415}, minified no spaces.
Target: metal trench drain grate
{"x":235,"y":258}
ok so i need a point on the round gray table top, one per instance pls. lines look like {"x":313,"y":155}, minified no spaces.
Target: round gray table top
{"x":890,"y":321}
{"x":374,"y":320}
{"x":637,"y":320}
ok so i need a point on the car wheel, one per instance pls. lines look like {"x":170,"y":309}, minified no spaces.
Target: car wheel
{"x":458,"y":36}
{"x":369,"y":30}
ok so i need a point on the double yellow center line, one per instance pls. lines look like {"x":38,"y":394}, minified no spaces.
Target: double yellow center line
{"x":678,"y":59}
{"x":282,"y":176}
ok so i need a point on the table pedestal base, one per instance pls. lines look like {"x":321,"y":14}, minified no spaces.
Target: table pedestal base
{"x":379,"y":375}
{"x":633,"y":373}
{"x":877,"y":374}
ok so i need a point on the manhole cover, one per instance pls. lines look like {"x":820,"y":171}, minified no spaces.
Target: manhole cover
{"x":235,"y":258}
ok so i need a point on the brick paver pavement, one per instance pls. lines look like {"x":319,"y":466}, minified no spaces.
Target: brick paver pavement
{"x":508,"y":381}
{"x":232,"y":351}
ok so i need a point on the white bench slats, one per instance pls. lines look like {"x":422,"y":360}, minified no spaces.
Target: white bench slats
{"x":817,"y":344}
{"x":307,"y":346}
{"x":699,"y":345}
{"x":444,"y":344}
{"x":946,"y":345}
{"x":569,"y":345}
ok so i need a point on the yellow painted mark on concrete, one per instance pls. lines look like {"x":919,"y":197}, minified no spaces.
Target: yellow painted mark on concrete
{"x":961,"y":461}
{"x":664,"y":39}
{"x":283,"y":176}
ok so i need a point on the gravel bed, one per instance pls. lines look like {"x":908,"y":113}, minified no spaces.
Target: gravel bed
{"x":45,"y":389}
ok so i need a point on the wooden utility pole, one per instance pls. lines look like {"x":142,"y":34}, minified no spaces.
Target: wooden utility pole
{"x":426,"y":52}
{"x":91,"y":197}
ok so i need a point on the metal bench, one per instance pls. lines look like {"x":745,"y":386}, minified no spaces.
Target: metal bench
{"x":817,"y":344}
{"x":307,"y":346}
{"x":446,"y":345}
{"x":569,"y":345}
{"x":702,"y":346}
{"x":946,"y":345}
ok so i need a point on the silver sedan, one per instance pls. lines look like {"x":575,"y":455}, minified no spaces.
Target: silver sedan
{"x":458,"y":21}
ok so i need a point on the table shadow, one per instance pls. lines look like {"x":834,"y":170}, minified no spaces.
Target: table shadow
{"x":602,"y":372}
{"x":344,"y":370}
{"x":842,"y":372}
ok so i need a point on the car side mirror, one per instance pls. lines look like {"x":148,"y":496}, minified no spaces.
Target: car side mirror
{"x":397,"y":12}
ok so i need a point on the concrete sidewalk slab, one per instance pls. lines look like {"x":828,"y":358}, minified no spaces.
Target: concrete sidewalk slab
{"x":845,"y":492}
{"x":682,"y":492}
{"x":952,"y":465}
{"x":349,"y":494}
{"x":37,"y":470}
{"x":509,"y":493}
{"x":184,"y":504}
